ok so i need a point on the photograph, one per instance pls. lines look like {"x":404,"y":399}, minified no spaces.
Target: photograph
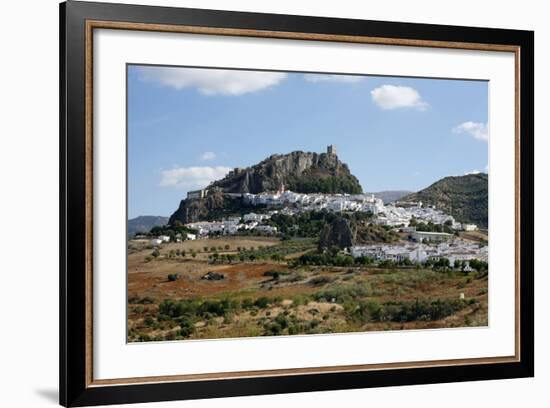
{"x":271,"y":203}
{"x":258,"y":202}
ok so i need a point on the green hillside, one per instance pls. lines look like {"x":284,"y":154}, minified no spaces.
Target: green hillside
{"x":463,"y":197}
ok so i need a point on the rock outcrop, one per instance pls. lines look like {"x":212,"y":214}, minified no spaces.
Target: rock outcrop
{"x":193,"y":210}
{"x":339,"y":233}
{"x":302,"y":172}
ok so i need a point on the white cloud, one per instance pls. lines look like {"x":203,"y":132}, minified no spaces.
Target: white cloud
{"x":478,"y":130}
{"x":192,"y":177}
{"x":208,"y":156}
{"x":390,"y":97}
{"x":212,"y":81}
{"x":350,"y":79}
{"x":467,"y":173}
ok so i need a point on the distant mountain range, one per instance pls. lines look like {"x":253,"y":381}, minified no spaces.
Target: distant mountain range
{"x":391,"y":196}
{"x":463,"y":197}
{"x":144,"y":223}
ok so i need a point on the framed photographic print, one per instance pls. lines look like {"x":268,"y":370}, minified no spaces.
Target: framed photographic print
{"x":256,"y":203}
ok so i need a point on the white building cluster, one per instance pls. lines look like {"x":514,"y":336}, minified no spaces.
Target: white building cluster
{"x":394,"y":214}
{"x":458,"y":249}
{"x":398,"y":214}
{"x":232,"y":225}
{"x":317,"y":201}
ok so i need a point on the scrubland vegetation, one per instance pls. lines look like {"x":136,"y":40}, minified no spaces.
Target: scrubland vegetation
{"x":270,"y":287}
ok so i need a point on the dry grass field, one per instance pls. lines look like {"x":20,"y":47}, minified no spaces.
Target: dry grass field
{"x":170,"y":299}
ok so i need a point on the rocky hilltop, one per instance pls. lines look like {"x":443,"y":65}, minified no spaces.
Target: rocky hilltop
{"x":463,"y":197}
{"x":301,"y":172}
{"x":214,"y":205}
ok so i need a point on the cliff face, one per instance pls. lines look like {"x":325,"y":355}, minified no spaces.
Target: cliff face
{"x":345,"y":232}
{"x":193,"y":210}
{"x":339,"y":233}
{"x":302,"y":172}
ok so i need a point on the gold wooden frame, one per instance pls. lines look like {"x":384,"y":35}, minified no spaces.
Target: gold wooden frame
{"x":98,"y":24}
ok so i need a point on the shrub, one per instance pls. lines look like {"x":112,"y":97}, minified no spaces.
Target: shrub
{"x":144,"y":300}
{"x":227,"y":247}
{"x":171,"y":336}
{"x":273,"y":329}
{"x":173,"y":277}
{"x":247,"y":303}
{"x":282,"y":321}
{"x":400,"y":312}
{"x":321,"y":280}
{"x":196,"y":308}
{"x":275,"y":274}
{"x":328,"y":258}
{"x":186,"y":328}
{"x":362,"y":311}
{"x":299,"y":300}
{"x":342,"y":293}
{"x":262,"y":302}
{"x":156,"y":253}
{"x":314,"y":323}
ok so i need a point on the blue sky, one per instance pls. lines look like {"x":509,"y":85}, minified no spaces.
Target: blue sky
{"x":188,"y":126}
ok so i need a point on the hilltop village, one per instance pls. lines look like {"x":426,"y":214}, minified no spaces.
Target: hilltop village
{"x":426,"y":232}
{"x":408,"y":218}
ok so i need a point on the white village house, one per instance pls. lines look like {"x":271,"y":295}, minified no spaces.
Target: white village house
{"x":155,"y":242}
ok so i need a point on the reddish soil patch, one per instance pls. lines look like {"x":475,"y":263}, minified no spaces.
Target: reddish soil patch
{"x":190,"y":283}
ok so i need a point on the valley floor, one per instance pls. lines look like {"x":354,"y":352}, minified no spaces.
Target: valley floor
{"x":169,"y":297}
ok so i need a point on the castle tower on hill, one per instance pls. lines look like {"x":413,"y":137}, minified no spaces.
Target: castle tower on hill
{"x":331,"y":150}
